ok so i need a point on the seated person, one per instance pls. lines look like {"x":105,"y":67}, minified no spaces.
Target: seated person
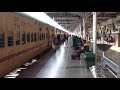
{"x":86,"y":46}
{"x":79,"y":52}
{"x":82,"y":49}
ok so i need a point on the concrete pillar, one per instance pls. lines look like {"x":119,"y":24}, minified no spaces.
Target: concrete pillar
{"x":83,"y":25}
{"x":80,"y":30}
{"x":94,"y":31}
{"x":117,"y":39}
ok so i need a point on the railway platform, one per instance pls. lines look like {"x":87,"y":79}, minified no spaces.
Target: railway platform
{"x":57,"y":65}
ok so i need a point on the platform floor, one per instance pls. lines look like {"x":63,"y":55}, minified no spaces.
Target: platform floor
{"x":57,"y":65}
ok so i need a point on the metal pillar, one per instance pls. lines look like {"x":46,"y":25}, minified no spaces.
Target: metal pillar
{"x":83,"y":25}
{"x":80,"y":26}
{"x":94,"y":31}
{"x":79,"y":29}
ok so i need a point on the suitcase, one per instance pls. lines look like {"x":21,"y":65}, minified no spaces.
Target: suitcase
{"x":74,"y":57}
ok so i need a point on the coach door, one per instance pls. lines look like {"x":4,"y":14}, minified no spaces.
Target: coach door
{"x":47,"y":37}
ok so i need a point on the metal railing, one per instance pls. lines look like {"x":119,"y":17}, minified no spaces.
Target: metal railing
{"x":106,"y":69}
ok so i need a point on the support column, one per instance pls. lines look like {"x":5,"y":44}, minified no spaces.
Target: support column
{"x":80,"y":30}
{"x":117,"y":39}
{"x":83,"y":25}
{"x":94,"y":31}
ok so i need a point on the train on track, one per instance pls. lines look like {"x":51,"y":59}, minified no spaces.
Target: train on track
{"x":22,"y":37}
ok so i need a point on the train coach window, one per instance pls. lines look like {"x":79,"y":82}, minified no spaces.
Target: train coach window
{"x":37,"y":36}
{"x":32,"y":37}
{"x":2,"y":40}
{"x":35,"y":39}
{"x":10,"y":39}
{"x":17,"y":38}
{"x":23,"y":38}
{"x":28,"y":37}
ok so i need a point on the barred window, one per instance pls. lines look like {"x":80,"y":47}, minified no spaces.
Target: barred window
{"x":32,"y":37}
{"x":10,"y":39}
{"x":17,"y":37}
{"x":35,"y":39}
{"x":23,"y":38}
{"x":28,"y":37}
{"x":2,"y":40}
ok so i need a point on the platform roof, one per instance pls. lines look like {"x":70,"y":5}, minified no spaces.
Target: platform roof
{"x":70,"y":20}
{"x":42,"y":17}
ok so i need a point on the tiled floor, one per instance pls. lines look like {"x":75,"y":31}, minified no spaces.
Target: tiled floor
{"x":58,"y":65}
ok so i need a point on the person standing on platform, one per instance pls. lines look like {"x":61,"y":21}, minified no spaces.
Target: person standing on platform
{"x":54,"y":42}
{"x":67,"y":38}
{"x":64,"y":37}
{"x":109,"y":39}
{"x":58,"y":39}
